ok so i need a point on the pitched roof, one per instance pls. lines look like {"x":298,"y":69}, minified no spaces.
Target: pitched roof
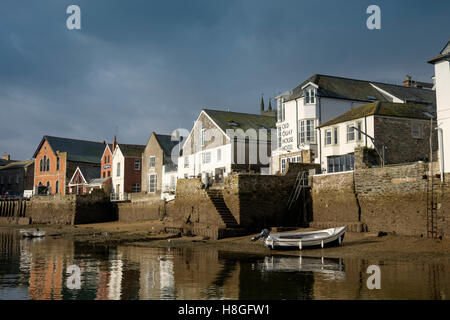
{"x":17,"y":164}
{"x":360,"y":90}
{"x":90,"y":173}
{"x":444,"y":54}
{"x":390,"y":109}
{"x":131,"y":150}
{"x":166,"y":143}
{"x":227,"y":120}
{"x":409,"y":94}
{"x":77,"y":150}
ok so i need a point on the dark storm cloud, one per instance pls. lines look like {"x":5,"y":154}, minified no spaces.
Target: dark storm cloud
{"x":140,"y":66}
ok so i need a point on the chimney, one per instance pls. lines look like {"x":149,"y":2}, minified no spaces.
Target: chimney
{"x":6,"y":157}
{"x":114,"y":144}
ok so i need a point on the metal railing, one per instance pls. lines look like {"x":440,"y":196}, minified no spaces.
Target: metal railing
{"x":123,"y":196}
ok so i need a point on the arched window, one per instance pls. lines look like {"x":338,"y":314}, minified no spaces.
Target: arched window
{"x":41,"y":168}
{"x":48,"y":164}
{"x":57,"y":186}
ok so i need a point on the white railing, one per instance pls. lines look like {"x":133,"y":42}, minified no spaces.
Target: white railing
{"x":119,"y":196}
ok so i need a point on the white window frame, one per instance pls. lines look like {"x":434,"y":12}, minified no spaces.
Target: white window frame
{"x":118,"y":170}
{"x":203,"y":137}
{"x":335,"y":136}
{"x":350,"y":132}
{"x":152,"y":162}
{"x":206,"y":157}
{"x":310,"y":96}
{"x":307,"y":131}
{"x":186,"y":161}
{"x":326,"y":142}
{"x":136,"y":188}
{"x":138,"y":163}
{"x":152,"y":185}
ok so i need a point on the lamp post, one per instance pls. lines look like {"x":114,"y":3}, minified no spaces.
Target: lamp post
{"x":382,"y":154}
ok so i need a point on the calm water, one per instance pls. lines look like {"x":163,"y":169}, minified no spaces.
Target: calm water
{"x":37,"y":269}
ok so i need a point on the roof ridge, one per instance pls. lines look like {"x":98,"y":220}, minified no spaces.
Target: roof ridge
{"x":99,"y":142}
{"x":245,"y":113}
{"x":318,"y":75}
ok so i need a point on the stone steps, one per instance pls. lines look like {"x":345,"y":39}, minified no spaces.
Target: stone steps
{"x":216,"y":197}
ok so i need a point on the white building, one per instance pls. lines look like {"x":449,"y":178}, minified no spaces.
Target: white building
{"x":442,"y":79}
{"x":126,"y":170}
{"x":398,"y":132}
{"x":222,"y":142}
{"x":321,"y":98}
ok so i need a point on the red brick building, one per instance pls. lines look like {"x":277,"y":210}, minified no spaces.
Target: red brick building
{"x":126,"y":169}
{"x":56,"y":160}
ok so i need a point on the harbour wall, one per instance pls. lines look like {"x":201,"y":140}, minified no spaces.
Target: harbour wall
{"x":390,"y":199}
{"x":71,"y":209}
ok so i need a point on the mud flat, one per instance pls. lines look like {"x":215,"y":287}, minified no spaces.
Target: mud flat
{"x":356,"y":245}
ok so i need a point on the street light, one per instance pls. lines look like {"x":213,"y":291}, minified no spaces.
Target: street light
{"x":382,"y":154}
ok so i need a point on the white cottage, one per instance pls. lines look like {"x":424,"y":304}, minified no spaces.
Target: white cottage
{"x":321,"y":98}
{"x":222,"y":142}
{"x":442,"y":78}
{"x":398,"y":132}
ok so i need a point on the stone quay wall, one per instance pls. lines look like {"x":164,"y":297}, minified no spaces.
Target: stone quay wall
{"x":141,"y":207}
{"x":70,"y":209}
{"x":390,"y":199}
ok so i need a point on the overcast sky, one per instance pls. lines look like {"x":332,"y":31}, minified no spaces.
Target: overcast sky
{"x":138,"y":66}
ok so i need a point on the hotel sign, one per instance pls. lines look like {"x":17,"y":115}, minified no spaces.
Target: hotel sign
{"x":287,"y":137}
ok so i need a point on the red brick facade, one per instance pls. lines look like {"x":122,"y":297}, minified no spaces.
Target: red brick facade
{"x":106,"y":171}
{"x":132,"y":176}
{"x":49,"y":174}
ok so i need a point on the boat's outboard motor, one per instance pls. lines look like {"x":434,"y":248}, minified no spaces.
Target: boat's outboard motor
{"x":264,"y":234}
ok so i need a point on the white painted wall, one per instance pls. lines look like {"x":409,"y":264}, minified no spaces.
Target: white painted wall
{"x":117,"y":159}
{"x":196,"y":165}
{"x":323,"y":110}
{"x":442,"y":74}
{"x":344,"y":147}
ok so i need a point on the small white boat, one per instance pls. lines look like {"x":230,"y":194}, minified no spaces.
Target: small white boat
{"x":300,"y":240}
{"x":32,"y":233}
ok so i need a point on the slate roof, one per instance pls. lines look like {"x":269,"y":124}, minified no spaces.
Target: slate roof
{"x":77,"y":150}
{"x":410,"y":95}
{"x":361,"y":90}
{"x":444,"y":54}
{"x":5,"y":162}
{"x":390,"y":109}
{"x":166,"y":143}
{"x":17,"y":164}
{"x":90,"y":173}
{"x":131,"y":150}
{"x":227,"y":120}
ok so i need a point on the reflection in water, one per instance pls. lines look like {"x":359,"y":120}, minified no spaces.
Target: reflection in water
{"x":37,"y":269}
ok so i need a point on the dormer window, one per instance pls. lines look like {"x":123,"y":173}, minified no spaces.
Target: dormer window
{"x":310,"y":96}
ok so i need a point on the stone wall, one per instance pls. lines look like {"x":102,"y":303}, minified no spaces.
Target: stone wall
{"x":192,"y":204}
{"x":142,"y":207}
{"x":70,"y":209}
{"x":334,"y":198}
{"x":390,"y":199}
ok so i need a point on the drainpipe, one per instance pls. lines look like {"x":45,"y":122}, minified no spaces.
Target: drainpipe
{"x":441,"y":151}
{"x":320,"y":149}
{"x":296,"y":123}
